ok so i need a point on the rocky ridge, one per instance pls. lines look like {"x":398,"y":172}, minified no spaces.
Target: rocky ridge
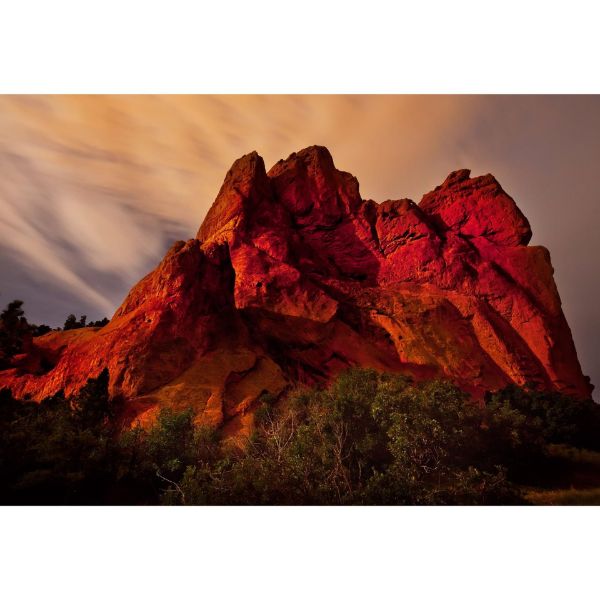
{"x":293,"y":277}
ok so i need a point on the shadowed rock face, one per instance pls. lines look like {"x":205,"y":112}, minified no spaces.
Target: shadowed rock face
{"x":293,"y":277}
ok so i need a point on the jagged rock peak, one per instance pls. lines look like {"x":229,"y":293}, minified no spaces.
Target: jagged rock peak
{"x":294,"y":278}
{"x":456,"y":177}
{"x":477,"y":208}
{"x":246,"y":181}
{"x":315,"y":157}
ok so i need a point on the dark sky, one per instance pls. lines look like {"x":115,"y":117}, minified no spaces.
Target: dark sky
{"x":93,"y":189}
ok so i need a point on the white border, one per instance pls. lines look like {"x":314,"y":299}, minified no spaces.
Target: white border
{"x":325,"y":46}
{"x":309,"y":46}
{"x":299,"y":553}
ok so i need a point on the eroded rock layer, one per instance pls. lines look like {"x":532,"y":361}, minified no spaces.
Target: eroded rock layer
{"x":293,"y":277}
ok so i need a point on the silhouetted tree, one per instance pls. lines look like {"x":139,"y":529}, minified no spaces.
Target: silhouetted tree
{"x":71,"y":322}
{"x":91,"y":405}
{"x":13,"y":331}
{"x":100,"y":323}
{"x":38,"y":330}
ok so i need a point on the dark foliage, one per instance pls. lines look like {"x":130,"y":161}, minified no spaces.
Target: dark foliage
{"x":370,"y":438}
{"x":73,"y":323}
{"x":558,"y":419}
{"x":37,"y":330}
{"x":14,"y":330}
{"x":59,"y":451}
{"x":100,"y":323}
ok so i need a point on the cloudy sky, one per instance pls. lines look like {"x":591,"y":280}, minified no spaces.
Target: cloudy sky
{"x":93,"y":189}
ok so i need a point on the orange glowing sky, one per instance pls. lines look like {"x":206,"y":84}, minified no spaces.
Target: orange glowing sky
{"x":93,"y":189}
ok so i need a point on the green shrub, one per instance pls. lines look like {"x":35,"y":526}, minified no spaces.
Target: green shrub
{"x":369,"y":438}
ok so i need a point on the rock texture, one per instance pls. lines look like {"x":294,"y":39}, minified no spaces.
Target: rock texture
{"x":293,"y":277}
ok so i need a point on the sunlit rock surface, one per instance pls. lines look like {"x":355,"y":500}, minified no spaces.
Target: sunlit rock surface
{"x":293,"y":277}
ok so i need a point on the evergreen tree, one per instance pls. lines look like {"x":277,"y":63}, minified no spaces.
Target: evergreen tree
{"x":91,"y":405}
{"x":13,"y":331}
{"x":71,"y":322}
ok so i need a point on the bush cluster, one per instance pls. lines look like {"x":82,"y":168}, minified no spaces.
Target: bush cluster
{"x":369,"y":438}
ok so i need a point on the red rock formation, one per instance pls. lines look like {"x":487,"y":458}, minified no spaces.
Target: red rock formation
{"x":293,"y":277}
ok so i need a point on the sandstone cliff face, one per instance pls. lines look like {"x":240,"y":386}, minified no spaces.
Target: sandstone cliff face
{"x":293,"y":277}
